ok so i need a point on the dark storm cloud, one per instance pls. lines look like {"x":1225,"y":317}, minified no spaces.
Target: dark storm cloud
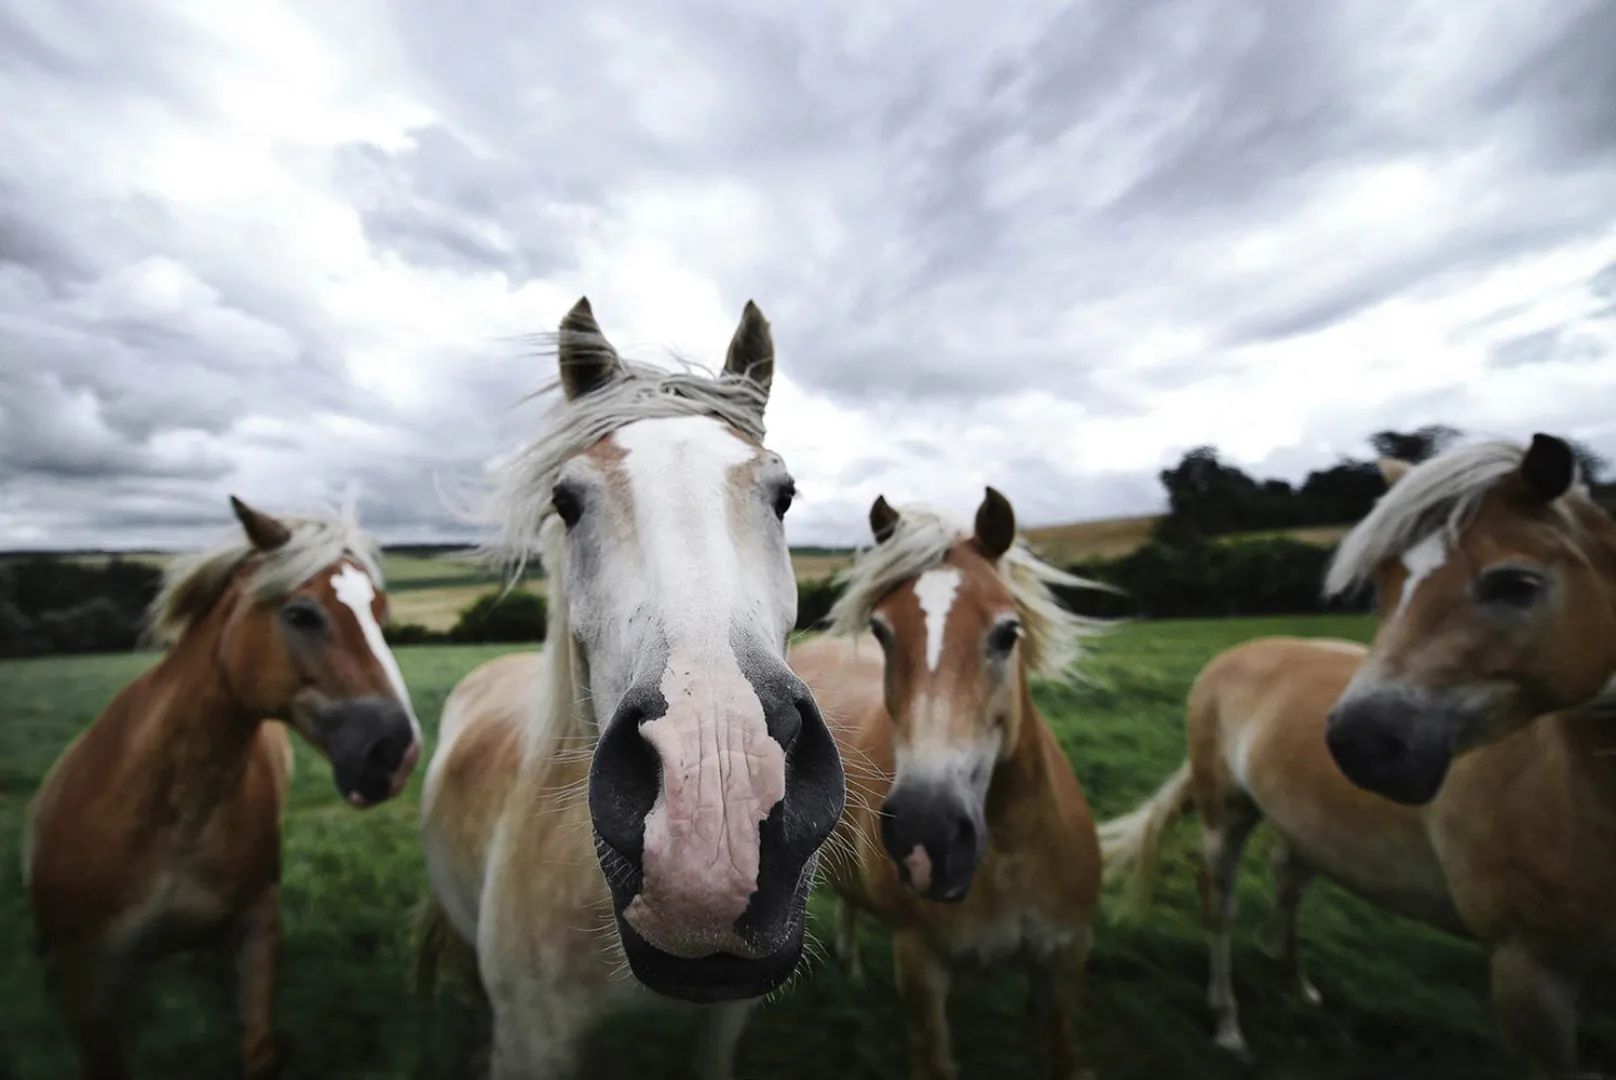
{"x":1083,"y":221}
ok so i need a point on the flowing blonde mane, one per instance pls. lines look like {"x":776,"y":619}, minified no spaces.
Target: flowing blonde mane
{"x":519,"y":505}
{"x":1441,"y":493}
{"x":193,"y":583}
{"x":1052,"y":636}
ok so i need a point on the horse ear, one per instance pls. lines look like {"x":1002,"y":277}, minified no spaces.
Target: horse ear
{"x":751,"y":350}
{"x":883,"y":519}
{"x":265,"y":532}
{"x":1549,"y":468}
{"x":995,"y":524}
{"x":586,"y":358}
{"x":1393,"y":469}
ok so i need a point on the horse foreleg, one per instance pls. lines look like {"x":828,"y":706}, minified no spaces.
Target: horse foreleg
{"x":539,"y":1029}
{"x":720,"y":1038}
{"x":847,"y":950}
{"x":922,"y":982}
{"x":1057,"y":985}
{"x":1536,"y":1009}
{"x":90,"y":986}
{"x":1291,"y":878}
{"x":255,"y":973}
{"x":1223,"y":840}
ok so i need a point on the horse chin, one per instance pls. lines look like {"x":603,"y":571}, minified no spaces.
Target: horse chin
{"x":717,"y":976}
{"x":709,"y":979}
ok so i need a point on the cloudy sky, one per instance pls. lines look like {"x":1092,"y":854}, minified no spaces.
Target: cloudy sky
{"x":1049,"y":246}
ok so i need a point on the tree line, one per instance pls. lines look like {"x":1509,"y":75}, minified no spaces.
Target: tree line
{"x":1208,"y":555}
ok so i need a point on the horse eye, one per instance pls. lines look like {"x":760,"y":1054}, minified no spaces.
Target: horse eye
{"x":568,"y":507}
{"x":1510,"y":586}
{"x":783,"y":496}
{"x":303,"y":616}
{"x":1003,"y":637}
{"x":882,"y":632}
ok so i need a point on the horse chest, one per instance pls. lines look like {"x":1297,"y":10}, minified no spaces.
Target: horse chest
{"x":1011,"y":911}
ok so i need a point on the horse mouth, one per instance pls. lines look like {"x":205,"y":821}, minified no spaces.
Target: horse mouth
{"x":719,"y":976}
{"x":708,"y":979}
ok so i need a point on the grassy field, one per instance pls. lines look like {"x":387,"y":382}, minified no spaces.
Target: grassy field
{"x":1400,"y":1000}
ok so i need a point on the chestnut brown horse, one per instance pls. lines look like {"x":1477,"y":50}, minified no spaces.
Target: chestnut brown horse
{"x":966,"y":830}
{"x":654,"y":788}
{"x":1479,"y":725}
{"x":159,"y":827}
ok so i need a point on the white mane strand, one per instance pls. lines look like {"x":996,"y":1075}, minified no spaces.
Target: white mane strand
{"x":1442,"y":493}
{"x":193,"y":583}
{"x":1052,"y":636}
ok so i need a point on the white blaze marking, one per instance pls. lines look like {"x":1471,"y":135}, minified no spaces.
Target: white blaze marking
{"x":935,"y":590}
{"x":1421,"y":561}
{"x":722,"y":772}
{"x":352,"y":586}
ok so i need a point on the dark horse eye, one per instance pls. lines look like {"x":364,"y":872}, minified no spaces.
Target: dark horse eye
{"x":882,"y":632}
{"x":783,"y":495}
{"x":567,"y":505}
{"x":1510,"y":586}
{"x":1003,"y":637}
{"x":303,"y":615}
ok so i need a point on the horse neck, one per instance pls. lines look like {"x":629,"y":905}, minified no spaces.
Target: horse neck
{"x":563,"y":727}
{"x":196,"y":735}
{"x":1021,"y":781}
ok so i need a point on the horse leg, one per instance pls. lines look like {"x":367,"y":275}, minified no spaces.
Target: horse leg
{"x":847,"y":950}
{"x":90,"y":984}
{"x":538,"y":1030}
{"x":1292,"y":876}
{"x":1057,"y":983}
{"x":1536,"y":1009}
{"x":922,"y":982}
{"x":260,"y":936}
{"x":1223,"y":839}
{"x":721,"y":1036}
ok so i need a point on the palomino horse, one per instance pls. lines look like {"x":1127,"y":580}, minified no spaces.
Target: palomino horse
{"x":159,"y":827}
{"x":1487,"y":700}
{"x":1497,"y":580}
{"x":966,"y":830}
{"x":711,"y":778}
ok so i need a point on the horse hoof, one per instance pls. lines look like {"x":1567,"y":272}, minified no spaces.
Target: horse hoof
{"x":1310,"y":994}
{"x":1229,"y":1038}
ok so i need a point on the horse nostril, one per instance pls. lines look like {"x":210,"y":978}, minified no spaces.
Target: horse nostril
{"x":623,"y":780}
{"x":1388,"y":745}
{"x":962,"y":846}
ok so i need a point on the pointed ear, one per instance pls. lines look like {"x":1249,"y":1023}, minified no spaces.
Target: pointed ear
{"x":883,"y":519}
{"x":265,"y":532}
{"x":751,"y":350}
{"x":1549,"y":468}
{"x":1393,"y":469}
{"x":586,"y":358}
{"x":995,"y":524}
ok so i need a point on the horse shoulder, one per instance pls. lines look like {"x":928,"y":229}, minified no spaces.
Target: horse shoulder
{"x":1526,"y":830}
{"x":472,"y":771}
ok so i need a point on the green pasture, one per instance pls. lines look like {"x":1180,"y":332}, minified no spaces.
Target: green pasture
{"x":1401,"y":1000}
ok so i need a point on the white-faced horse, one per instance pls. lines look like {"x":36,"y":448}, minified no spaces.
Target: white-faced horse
{"x":655,"y":786}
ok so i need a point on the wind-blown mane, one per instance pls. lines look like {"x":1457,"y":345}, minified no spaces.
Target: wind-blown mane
{"x":1052,"y":636}
{"x":1442,"y":493}
{"x":193,"y":583}
{"x":520,"y":503}
{"x":524,"y":521}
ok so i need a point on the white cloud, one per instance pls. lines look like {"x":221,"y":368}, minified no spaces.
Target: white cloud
{"x":276,"y":250}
